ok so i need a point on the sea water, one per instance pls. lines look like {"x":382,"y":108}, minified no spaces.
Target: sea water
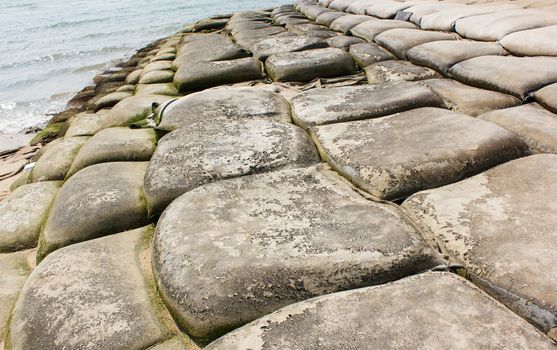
{"x":50,"y":49}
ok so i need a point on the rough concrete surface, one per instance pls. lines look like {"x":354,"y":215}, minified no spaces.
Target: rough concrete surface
{"x":230,"y":252}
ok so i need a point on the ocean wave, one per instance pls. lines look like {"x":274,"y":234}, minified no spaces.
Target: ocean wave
{"x":16,"y":117}
{"x":67,"y":55}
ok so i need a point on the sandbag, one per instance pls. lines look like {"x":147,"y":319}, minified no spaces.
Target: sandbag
{"x":308,"y":65}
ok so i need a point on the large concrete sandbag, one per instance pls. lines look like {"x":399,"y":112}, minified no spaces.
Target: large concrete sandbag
{"x":308,"y":65}
{"x":395,"y":156}
{"x":202,"y":153}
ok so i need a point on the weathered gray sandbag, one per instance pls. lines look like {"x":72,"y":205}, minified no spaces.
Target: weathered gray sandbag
{"x":133,"y":77}
{"x":495,"y":26}
{"x":470,"y":100}
{"x":248,"y":42}
{"x":180,"y":342}
{"x":168,"y":89}
{"x":206,"y":152}
{"x":501,"y":226}
{"x":445,"y":19}
{"x":395,"y":70}
{"x":395,"y":156}
{"x":224,"y":104}
{"x":345,"y":23}
{"x":164,"y":57}
{"x":189,"y":39}
{"x":115,"y":145}
{"x":279,"y":237}
{"x":14,"y":270}
{"x":509,"y":74}
{"x":23,"y":213}
{"x":308,"y":65}
{"x":311,"y":30}
{"x":535,"y":125}
{"x":370,"y":29}
{"x":366,"y":54}
{"x":326,"y":18}
{"x":57,"y":158}
{"x":340,"y":5}
{"x":341,"y":104}
{"x":157,"y":76}
{"x":442,"y":55}
{"x":210,"y":24}
{"x":294,"y":19}
{"x":400,"y":40}
{"x":205,"y":51}
{"x":247,"y":25}
{"x":274,"y":45}
{"x":387,"y":9}
{"x":167,"y":49}
{"x":420,"y":10}
{"x":344,"y":41}
{"x":547,"y":97}
{"x":533,"y":42}
{"x":126,"y":88}
{"x":91,"y":295}
{"x":111,"y":99}
{"x":442,"y":309}
{"x":268,"y":30}
{"x":358,"y":7}
{"x":100,"y":200}
{"x":132,"y":109}
{"x":155,"y":66}
{"x":312,"y":12}
{"x":87,"y":124}
{"x":208,"y":74}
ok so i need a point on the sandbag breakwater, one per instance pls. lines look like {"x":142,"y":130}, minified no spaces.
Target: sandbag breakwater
{"x":319,"y":175}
